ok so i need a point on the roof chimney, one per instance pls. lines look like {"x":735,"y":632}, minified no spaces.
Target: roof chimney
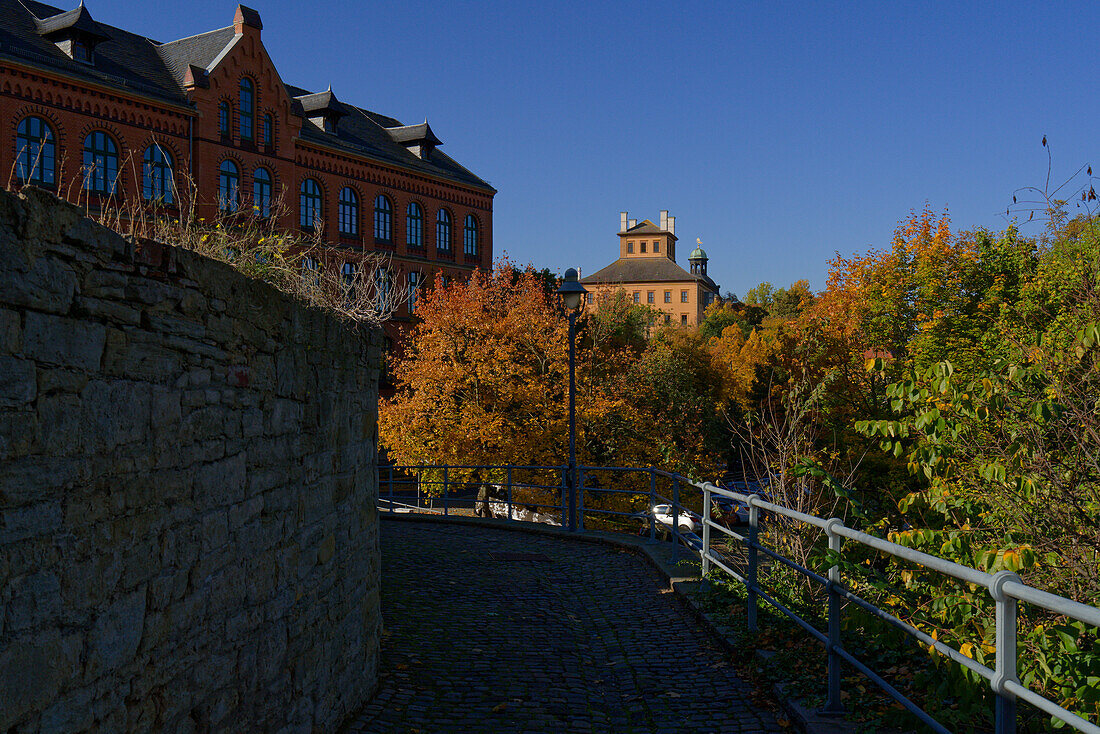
{"x":246,"y":17}
{"x":631,"y":223}
{"x":671,"y":229}
{"x":622,"y":221}
{"x":664,"y":220}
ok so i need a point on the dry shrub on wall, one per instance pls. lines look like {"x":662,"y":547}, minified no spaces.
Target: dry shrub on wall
{"x":298,"y":263}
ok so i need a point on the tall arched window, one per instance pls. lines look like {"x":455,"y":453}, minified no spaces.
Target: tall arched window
{"x":309,"y":204}
{"x":269,"y":131}
{"x":100,"y":163}
{"x":469,"y":236}
{"x":349,"y":273}
{"x":443,"y":231}
{"x":381,"y":287}
{"x":383,"y":219}
{"x":223,"y":118}
{"x":414,"y":225}
{"x":261,"y":193}
{"x":229,"y":186}
{"x":414,"y":289}
{"x":156,"y":175}
{"x":348,"y":214}
{"x":247,"y":111}
{"x":35,"y":152}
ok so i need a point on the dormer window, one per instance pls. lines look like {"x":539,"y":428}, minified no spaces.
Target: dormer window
{"x":81,"y":52}
{"x":417,"y":139}
{"x":75,"y":33}
{"x":322,"y":109}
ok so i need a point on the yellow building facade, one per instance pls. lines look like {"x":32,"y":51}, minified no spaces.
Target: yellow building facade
{"x":647,"y":272}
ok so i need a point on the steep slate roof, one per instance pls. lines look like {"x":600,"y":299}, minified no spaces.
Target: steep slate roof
{"x":125,"y":60}
{"x":321,"y":102}
{"x":128,"y":61}
{"x":645,"y":270}
{"x":200,"y":51}
{"x":644,"y":227}
{"x":414,"y":134}
{"x":73,"y":20}
{"x":368,"y":133}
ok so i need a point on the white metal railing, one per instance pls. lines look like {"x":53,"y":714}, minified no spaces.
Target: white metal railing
{"x":1004,"y":587}
{"x":408,"y":489}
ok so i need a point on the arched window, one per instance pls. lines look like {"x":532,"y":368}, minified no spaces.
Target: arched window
{"x":414,"y":287}
{"x":261,"y":193}
{"x":223,"y":118}
{"x":469,"y":236}
{"x":35,"y":152}
{"x":414,"y":226}
{"x":443,"y":231}
{"x":381,"y":287}
{"x":348,"y":214}
{"x":383,"y":219}
{"x":349,"y":273}
{"x":100,"y":163}
{"x":269,"y":131}
{"x":309,"y":204}
{"x":229,"y":186}
{"x":247,"y":108}
{"x":157,"y":183}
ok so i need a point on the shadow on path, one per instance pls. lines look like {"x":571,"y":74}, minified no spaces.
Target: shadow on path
{"x":491,"y":630}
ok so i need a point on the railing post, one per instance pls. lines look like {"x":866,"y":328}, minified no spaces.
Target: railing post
{"x":754,"y":534}
{"x":676,"y":513}
{"x":564,"y":498}
{"x":652,"y":514}
{"x":418,"y":501}
{"x":580,"y":500}
{"x":706,"y":530}
{"x":391,"y":488}
{"x":1005,"y":707}
{"x":445,"y":503}
{"x":509,"y":491}
{"x":833,"y":704}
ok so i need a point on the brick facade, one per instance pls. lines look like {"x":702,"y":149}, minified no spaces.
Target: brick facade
{"x":177,"y":107}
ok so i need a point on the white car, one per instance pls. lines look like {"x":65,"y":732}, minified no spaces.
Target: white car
{"x":685,"y":521}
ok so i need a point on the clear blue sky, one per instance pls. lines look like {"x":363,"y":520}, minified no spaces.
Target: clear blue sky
{"x":778,"y":133}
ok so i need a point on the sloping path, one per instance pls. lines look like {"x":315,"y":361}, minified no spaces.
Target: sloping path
{"x":491,"y":630}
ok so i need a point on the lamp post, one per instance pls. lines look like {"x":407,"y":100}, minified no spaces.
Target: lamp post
{"x":571,"y":292}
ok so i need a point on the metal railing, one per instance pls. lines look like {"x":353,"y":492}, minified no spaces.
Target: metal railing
{"x":428,"y":486}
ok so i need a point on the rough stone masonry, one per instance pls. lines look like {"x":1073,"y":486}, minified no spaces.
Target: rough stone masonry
{"x":188,"y":533}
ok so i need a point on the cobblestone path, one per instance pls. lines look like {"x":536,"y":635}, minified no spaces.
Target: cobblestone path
{"x":585,"y":639}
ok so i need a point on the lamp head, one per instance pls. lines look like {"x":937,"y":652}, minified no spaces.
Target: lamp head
{"x":571,"y":289}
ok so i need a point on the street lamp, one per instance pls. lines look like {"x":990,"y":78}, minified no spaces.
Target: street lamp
{"x":571,"y":292}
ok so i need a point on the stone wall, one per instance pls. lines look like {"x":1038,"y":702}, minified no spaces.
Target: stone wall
{"x":188,"y":534}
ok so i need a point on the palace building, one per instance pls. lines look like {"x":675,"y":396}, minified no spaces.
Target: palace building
{"x":120,"y":118}
{"x":647,"y":272}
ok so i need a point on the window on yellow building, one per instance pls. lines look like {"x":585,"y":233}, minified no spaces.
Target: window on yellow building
{"x":683,"y":319}
{"x":668,"y":296}
{"x":683,"y":296}
{"x":630,"y":248}
{"x":649,"y":297}
{"x":641,"y":247}
{"x":668,"y":319}
{"x":656,"y":245}
{"x":637,"y":297}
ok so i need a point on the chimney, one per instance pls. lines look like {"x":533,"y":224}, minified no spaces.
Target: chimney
{"x":671,"y":229}
{"x":246,"y":18}
{"x":664,"y":220}
{"x":631,"y":223}
{"x":622,"y":221}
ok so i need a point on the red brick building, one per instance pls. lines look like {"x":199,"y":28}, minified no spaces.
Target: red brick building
{"x":90,"y":109}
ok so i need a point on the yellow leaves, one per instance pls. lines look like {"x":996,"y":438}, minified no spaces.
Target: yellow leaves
{"x":967,"y":649}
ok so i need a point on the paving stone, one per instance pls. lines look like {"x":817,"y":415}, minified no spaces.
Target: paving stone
{"x":588,"y":641}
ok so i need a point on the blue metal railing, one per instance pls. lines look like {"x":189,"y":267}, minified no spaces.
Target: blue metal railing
{"x":1005,"y":588}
